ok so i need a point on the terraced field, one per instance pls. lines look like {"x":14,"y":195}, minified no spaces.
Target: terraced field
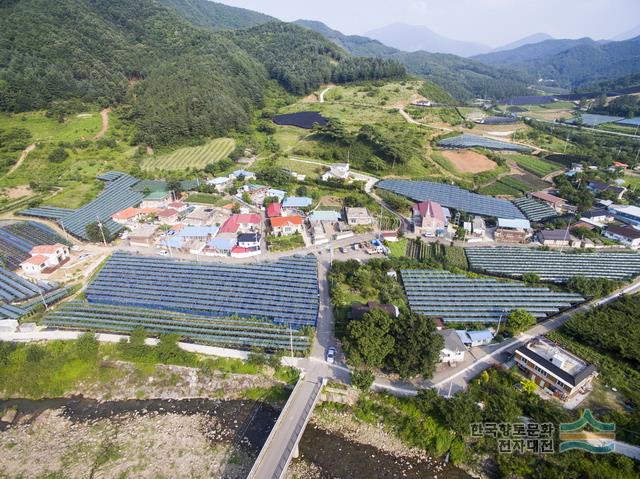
{"x":535,"y":165}
{"x":192,"y":157}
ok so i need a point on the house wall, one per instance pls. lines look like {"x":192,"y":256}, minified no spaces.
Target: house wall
{"x":509,"y":235}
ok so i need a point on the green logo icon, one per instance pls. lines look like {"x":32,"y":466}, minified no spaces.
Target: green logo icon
{"x":598,"y":438}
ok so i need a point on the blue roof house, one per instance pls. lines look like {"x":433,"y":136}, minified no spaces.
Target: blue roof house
{"x":297,"y":202}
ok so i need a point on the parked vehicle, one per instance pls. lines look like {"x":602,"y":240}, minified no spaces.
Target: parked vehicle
{"x":163,"y":252}
{"x":331,"y":355}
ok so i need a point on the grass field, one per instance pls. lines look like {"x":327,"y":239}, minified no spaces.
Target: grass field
{"x":207,"y":199}
{"x":192,"y":157}
{"x":83,"y":125}
{"x":389,"y":95}
{"x":537,"y":166}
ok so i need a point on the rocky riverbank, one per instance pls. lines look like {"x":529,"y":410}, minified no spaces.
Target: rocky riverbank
{"x":82,"y":438}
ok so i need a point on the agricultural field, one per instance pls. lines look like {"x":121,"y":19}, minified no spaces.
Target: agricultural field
{"x":312,"y":171}
{"x":453,"y":256}
{"x":196,"y":157}
{"x":532,"y":164}
{"x":514,"y":185}
{"x":468,"y":161}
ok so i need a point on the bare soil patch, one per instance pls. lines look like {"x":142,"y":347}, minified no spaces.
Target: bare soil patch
{"x":467,"y":161}
{"x":17,"y":192}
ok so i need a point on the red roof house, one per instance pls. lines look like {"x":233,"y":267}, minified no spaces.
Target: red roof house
{"x":273,"y":210}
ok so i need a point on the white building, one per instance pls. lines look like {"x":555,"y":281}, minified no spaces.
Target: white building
{"x":220,"y":183}
{"x":453,"y":350}
{"x":358,"y":216}
{"x":45,"y":258}
{"x":337,"y":170}
{"x":626,"y":235}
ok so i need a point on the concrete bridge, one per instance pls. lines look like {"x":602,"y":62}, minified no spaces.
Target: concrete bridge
{"x":282,"y":444}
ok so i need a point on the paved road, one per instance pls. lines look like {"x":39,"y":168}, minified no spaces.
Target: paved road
{"x":452,"y":380}
{"x":325,"y":91}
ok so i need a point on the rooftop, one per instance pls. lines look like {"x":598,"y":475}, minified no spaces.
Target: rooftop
{"x":281,"y":221}
{"x":330,"y":215}
{"x":357,"y":212}
{"x":558,"y":361}
{"x":430,"y":209}
{"x":296,"y":202}
{"x":157,"y":195}
{"x":627,"y":210}
{"x":548,"y":197}
{"x":625,"y":231}
{"x":274,"y":209}
{"x":555,"y":235}
{"x":514,"y":224}
{"x":46,"y":248}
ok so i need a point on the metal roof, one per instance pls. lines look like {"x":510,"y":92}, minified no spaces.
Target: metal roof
{"x":513,"y":223}
{"x":452,"y":197}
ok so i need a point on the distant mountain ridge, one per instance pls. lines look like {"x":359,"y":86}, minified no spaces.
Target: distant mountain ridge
{"x":462,"y":78}
{"x":412,"y":38}
{"x":534,"y":38}
{"x":531,"y":51}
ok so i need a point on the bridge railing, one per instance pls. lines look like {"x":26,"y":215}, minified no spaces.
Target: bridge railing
{"x":299,"y":429}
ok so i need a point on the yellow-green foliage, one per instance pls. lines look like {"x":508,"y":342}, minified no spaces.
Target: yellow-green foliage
{"x":192,"y":157}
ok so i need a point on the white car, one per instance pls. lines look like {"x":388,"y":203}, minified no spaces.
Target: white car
{"x":331,"y":355}
{"x":163,"y":252}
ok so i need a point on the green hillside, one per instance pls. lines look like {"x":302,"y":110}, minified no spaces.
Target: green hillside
{"x":216,"y":15}
{"x":178,"y":80}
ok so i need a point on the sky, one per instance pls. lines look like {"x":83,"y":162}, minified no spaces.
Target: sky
{"x":492,"y":22}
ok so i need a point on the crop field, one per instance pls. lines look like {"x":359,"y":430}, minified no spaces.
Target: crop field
{"x":537,"y":166}
{"x":468,"y":161}
{"x":453,"y":255}
{"x":192,"y":157}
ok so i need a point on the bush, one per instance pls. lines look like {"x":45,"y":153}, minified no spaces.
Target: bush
{"x":362,"y":379}
{"x":58,"y":155}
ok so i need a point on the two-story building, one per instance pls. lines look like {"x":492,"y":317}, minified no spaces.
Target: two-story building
{"x":286,"y":225}
{"x":46,"y":258}
{"x":554,"y":369}
{"x":428,"y":218}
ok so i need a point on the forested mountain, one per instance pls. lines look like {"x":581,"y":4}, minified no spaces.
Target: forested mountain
{"x":571,"y":63}
{"x":611,"y":85}
{"x":461,"y":77}
{"x":354,"y":44}
{"x":180,"y":80}
{"x":531,"y":51}
{"x":205,"y":13}
{"x":534,"y":38}
{"x":413,"y":38}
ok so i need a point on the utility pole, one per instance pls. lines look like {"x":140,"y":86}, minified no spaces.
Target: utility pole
{"x":46,"y":306}
{"x":104,"y":240}
{"x":291,"y":340}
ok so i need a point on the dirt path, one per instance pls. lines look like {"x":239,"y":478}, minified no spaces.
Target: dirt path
{"x":321,"y":98}
{"x":413,"y":121}
{"x":105,"y":123}
{"x":23,"y":156}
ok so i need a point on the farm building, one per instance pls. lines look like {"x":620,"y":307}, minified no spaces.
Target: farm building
{"x":453,"y":350}
{"x":296,"y":202}
{"x":472,"y":339}
{"x":626,"y":235}
{"x":600,"y":187}
{"x":17,"y":238}
{"x":358,"y":216}
{"x":243,"y":175}
{"x":220,"y":183}
{"x":249,"y":240}
{"x":242,"y":223}
{"x":319,"y":216}
{"x":554,"y":369}
{"x":338,"y":171}
{"x":143,"y":236}
{"x":46,"y":258}
{"x":157,"y":199}
{"x":553,"y":201}
{"x":512,"y":231}
{"x":599,"y":215}
{"x":428,"y":217}
{"x":273,"y":210}
{"x":198,"y":217}
{"x":168,"y":216}
{"x":626,"y":213}
{"x":561,"y":237}
{"x":535,"y":210}
{"x":287,"y":225}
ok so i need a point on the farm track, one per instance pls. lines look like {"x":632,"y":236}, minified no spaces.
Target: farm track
{"x":23,"y":156}
{"x":104,"y":114}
